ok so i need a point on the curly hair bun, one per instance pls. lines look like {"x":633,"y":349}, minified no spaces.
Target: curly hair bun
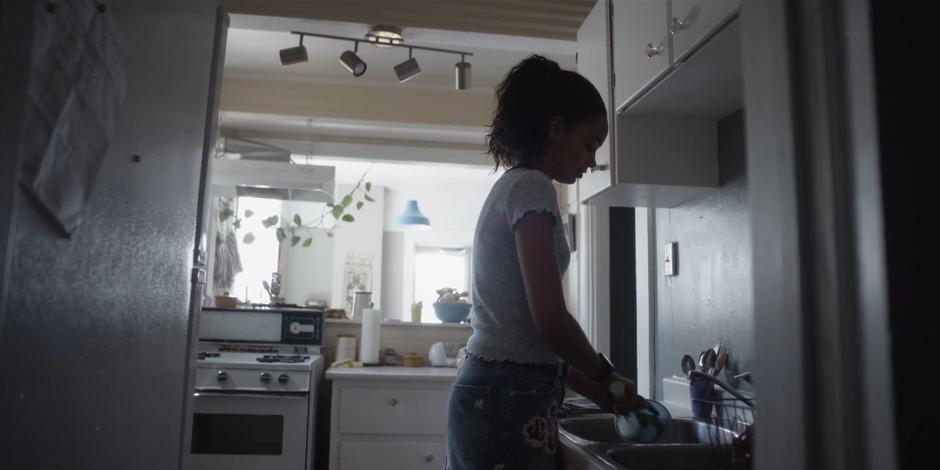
{"x":534,"y":91}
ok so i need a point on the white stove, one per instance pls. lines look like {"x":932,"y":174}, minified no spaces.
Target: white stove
{"x":255,"y":395}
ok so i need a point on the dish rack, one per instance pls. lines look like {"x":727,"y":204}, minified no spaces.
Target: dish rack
{"x":735,"y":450}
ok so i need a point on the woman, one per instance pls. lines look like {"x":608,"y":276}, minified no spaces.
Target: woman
{"x":503,"y":406}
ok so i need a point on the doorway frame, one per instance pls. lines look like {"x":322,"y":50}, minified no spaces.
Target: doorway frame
{"x":820,"y":291}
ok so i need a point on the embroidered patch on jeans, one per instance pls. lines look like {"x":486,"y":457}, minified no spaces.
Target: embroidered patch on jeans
{"x":539,"y":431}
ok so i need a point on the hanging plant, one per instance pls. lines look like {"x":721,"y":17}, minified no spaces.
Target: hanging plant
{"x":299,"y":230}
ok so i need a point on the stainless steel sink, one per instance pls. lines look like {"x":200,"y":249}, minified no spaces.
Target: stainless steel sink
{"x":666,"y":457}
{"x":592,"y":443}
{"x":600,"y":429}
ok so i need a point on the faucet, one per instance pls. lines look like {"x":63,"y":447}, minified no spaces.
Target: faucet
{"x":746,"y":376}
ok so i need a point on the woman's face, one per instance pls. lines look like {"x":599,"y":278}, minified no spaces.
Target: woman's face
{"x":571,"y":150}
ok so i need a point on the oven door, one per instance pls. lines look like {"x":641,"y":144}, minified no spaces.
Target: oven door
{"x":248,"y":431}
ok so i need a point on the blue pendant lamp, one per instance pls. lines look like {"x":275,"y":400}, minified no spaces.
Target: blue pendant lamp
{"x":411,"y":218}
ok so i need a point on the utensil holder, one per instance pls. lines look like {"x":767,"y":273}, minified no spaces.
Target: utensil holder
{"x":703,"y":396}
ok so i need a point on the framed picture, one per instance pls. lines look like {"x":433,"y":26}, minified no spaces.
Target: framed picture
{"x":357,"y":277}
{"x":570,"y":227}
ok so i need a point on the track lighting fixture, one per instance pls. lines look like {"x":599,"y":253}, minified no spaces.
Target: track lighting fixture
{"x":381,"y":36}
{"x":462,"y":70}
{"x":352,"y":62}
{"x":407,"y":69}
{"x":294,"y":55}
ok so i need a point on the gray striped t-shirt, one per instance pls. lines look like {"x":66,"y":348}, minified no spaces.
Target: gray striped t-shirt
{"x":503,"y":328}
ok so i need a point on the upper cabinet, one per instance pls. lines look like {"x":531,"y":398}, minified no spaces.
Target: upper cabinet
{"x":673,"y":71}
{"x":640,"y":45}
{"x":691,"y":21}
{"x":594,"y":64}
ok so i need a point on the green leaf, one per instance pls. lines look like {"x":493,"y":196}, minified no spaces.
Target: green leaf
{"x":368,"y":186}
{"x":249,"y":213}
{"x":225,"y":214}
{"x":297,"y":220}
{"x":238,"y":224}
{"x":218,"y":238}
{"x":294,"y":240}
{"x":307,"y":242}
{"x":359,"y":205}
{"x":369,"y":198}
{"x":347,"y":200}
{"x":337,"y":212}
{"x":349,"y":218}
{"x":281,"y":234}
{"x":270,"y":221}
{"x":329,"y":234}
{"x":248,"y":238}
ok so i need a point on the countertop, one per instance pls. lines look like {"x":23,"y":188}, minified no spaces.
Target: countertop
{"x":392,"y":373}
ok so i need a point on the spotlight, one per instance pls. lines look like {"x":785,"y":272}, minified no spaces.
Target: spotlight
{"x":462,"y":69}
{"x":352,"y":62}
{"x":294,"y":55}
{"x":407,"y":69}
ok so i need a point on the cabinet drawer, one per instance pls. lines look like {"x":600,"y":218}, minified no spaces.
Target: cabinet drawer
{"x":693,"y":20}
{"x":392,"y":411}
{"x":360,"y":455}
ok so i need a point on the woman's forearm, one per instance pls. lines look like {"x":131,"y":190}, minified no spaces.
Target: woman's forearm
{"x":565,"y":337}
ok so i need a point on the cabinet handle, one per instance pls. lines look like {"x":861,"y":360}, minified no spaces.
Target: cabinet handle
{"x":393,"y":402}
{"x":428,"y":458}
{"x":603,"y":167}
{"x":653,"y":51}
{"x":678,"y":25}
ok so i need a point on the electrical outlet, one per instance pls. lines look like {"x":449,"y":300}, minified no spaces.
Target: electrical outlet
{"x":671,"y":261}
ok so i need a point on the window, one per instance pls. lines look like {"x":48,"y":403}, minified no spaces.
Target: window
{"x":436,"y":267}
{"x":260,"y":257}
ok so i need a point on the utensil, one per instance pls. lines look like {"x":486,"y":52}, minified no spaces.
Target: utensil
{"x":701,"y":361}
{"x":688,"y":365}
{"x":722,"y":360}
{"x":708,"y":361}
{"x":717,"y":347}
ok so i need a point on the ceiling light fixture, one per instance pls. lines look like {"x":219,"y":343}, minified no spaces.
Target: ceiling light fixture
{"x":407,"y":69}
{"x":462,"y":70}
{"x":352,"y":62}
{"x":294,"y":55}
{"x":411,"y":218}
{"x":384,"y":36}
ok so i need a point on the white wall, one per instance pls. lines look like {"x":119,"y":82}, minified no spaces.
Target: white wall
{"x":307,"y":272}
{"x":362,"y":238}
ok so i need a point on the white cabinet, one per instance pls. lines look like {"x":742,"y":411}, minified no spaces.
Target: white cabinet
{"x":391,"y":418}
{"x":594,"y":64}
{"x":693,"y":20}
{"x":640,"y":45}
{"x":663,"y":139}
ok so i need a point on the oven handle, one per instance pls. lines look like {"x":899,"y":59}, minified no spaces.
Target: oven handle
{"x":265,"y":395}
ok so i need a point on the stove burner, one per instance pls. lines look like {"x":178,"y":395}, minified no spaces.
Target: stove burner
{"x":204,"y":355}
{"x":292,"y":359}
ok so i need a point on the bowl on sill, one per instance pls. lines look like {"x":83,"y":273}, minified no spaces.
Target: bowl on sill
{"x":452,"y":312}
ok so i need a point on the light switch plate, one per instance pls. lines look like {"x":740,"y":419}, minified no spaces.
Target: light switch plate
{"x":670,"y":260}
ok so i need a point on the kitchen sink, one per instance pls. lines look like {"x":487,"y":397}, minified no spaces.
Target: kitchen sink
{"x":600,"y":429}
{"x":591,"y":442}
{"x":666,"y":457}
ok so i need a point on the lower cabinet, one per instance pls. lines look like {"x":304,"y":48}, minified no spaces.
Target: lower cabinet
{"x":388,"y":424}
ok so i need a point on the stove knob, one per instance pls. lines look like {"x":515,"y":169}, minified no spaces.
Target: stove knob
{"x":265,"y":378}
{"x":222,"y":376}
{"x":283,"y":378}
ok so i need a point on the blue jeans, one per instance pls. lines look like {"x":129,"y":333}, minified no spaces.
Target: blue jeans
{"x":503,"y":415}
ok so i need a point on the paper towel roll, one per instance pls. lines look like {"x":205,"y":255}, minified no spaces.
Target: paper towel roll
{"x":345,"y":347}
{"x":371,"y":333}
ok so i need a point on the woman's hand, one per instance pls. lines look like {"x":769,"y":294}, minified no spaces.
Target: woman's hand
{"x":617,"y":394}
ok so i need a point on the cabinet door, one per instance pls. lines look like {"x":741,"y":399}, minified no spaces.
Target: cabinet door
{"x":640,"y":45}
{"x":594,"y":64}
{"x":693,"y":20}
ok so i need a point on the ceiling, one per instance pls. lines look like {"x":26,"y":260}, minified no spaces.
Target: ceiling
{"x":320,"y":100}
{"x":554,"y":19}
